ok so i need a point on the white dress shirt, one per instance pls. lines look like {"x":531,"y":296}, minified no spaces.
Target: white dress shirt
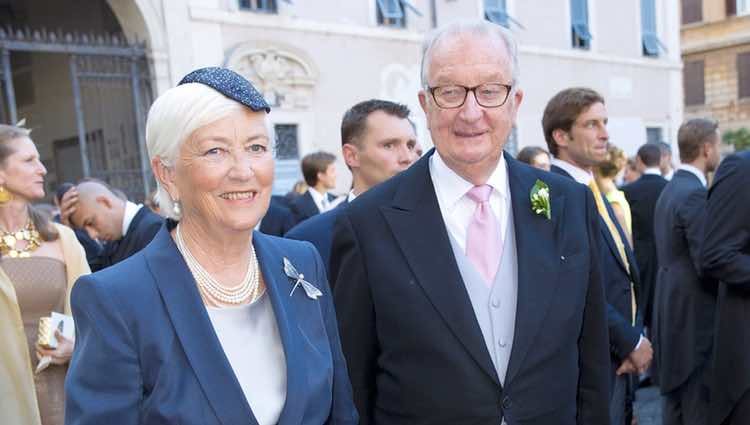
{"x":131,"y":210}
{"x":458,"y":209}
{"x":579,"y":174}
{"x":698,"y":173}
{"x":653,"y":171}
{"x":321,"y":200}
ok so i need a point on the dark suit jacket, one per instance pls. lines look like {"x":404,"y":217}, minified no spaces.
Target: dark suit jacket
{"x":142,"y":229}
{"x":318,"y":230}
{"x":726,"y":257}
{"x":684,"y":303}
{"x":278,"y":219}
{"x":642,"y":195}
{"x":303,"y":207}
{"x":146,"y":351}
{"x":414,"y":348}
{"x":623,"y":336}
{"x":92,"y":247}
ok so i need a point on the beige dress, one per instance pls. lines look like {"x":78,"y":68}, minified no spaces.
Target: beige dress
{"x":41,"y":288}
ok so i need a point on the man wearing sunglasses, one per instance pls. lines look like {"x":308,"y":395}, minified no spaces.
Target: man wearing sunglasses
{"x":459,"y":299}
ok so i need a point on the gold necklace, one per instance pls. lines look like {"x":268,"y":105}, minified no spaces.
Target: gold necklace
{"x":9,"y":240}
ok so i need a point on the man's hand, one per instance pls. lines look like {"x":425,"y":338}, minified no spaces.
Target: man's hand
{"x":68,"y":205}
{"x":627,"y":367}
{"x":642,"y":356}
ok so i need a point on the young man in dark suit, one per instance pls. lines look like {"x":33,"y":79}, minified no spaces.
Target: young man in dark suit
{"x":377,"y":142}
{"x":124,"y":227}
{"x":726,"y":258}
{"x":319,"y":171}
{"x":459,"y":300}
{"x":642,"y":195}
{"x":684,"y":302}
{"x":575,"y":128}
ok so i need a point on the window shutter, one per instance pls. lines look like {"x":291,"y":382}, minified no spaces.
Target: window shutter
{"x":743,"y":74}
{"x":693,"y":76}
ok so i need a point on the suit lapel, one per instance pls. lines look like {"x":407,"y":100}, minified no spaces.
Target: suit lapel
{"x":538,"y":259}
{"x":417,"y":225}
{"x":278,"y":286}
{"x":195,"y":331}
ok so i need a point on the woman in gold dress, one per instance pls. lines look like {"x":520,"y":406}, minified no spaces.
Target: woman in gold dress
{"x":39,"y":261}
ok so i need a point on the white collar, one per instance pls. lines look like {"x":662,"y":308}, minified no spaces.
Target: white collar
{"x":351,"y":196}
{"x":693,"y":169}
{"x":654,"y":171}
{"x":453,"y":187}
{"x":579,"y":174}
{"x":131,"y":210}
{"x":319,"y":198}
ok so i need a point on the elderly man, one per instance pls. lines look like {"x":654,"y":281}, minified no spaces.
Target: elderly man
{"x":125,"y":226}
{"x":460,"y":300}
{"x":378,"y":142}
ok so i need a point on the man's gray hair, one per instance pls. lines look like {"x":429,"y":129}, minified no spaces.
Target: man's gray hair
{"x":480,"y":28}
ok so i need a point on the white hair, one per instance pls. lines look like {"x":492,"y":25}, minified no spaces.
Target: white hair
{"x":481,"y":28}
{"x":173,"y":117}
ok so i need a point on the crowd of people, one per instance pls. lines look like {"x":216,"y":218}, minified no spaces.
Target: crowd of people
{"x":462,"y":286}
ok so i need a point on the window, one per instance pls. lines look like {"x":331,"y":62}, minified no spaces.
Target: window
{"x":742,"y":7}
{"x":743,"y":75}
{"x":579,"y":14}
{"x":392,"y":13}
{"x":286,"y":141}
{"x":496,"y":12}
{"x":695,"y":93}
{"x":649,"y":40}
{"x":654,"y":135}
{"x":692,"y":11}
{"x":265,"y":6}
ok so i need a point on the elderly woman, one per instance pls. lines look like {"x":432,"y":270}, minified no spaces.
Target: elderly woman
{"x":211,"y":323}
{"x":39,"y":261}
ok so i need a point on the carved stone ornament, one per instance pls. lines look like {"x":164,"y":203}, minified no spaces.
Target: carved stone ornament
{"x":285,"y":79}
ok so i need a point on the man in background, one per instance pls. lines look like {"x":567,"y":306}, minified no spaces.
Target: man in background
{"x":319,"y":171}
{"x":377,"y":142}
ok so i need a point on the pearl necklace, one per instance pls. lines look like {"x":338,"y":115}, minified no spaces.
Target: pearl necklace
{"x":248,"y":288}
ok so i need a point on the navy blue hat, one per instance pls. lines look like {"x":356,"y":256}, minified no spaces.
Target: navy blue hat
{"x":230,"y":84}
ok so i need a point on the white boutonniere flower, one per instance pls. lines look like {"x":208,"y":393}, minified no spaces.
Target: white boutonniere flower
{"x":540,"y":199}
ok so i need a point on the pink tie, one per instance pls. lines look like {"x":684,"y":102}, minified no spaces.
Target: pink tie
{"x":483,"y":241}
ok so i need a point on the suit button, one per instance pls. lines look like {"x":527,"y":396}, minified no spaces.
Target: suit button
{"x":507,"y":403}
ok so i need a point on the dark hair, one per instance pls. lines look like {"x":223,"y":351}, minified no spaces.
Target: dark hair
{"x":43,"y":224}
{"x":666,"y":149}
{"x":354,"y":123}
{"x":528,"y":154}
{"x":649,"y":154}
{"x":693,"y":134}
{"x":315,"y":163}
{"x":612,"y":165}
{"x":62,"y":190}
{"x":563,"y":110}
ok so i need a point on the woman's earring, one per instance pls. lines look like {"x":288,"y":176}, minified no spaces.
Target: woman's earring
{"x":5,"y":196}
{"x":176,"y":208}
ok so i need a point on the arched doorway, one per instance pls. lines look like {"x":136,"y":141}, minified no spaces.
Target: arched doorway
{"x":83,"y":88}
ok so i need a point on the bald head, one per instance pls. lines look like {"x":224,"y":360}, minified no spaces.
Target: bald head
{"x":99,"y":211}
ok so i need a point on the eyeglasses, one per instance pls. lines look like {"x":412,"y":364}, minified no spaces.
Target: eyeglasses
{"x":488,"y":95}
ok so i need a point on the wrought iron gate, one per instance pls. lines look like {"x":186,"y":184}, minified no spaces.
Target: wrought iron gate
{"x":111,"y":93}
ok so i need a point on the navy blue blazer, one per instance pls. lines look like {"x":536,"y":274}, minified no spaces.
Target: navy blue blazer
{"x":318,"y":230}
{"x":142,"y":229}
{"x":146,"y":352}
{"x":623,"y":336}
{"x":304,"y":207}
{"x":278,"y":219}
{"x":415,"y":351}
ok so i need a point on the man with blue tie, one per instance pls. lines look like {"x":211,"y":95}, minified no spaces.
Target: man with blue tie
{"x":377,"y":141}
{"x":467,"y":288}
{"x":575,"y":128}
